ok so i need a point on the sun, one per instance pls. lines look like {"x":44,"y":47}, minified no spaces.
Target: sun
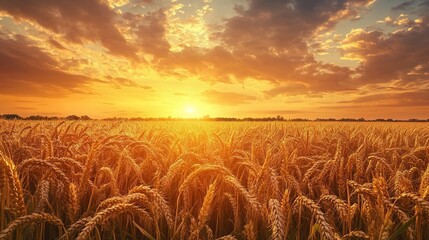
{"x":190,"y":111}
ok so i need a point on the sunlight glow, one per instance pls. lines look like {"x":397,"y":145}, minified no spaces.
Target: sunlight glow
{"x":190,"y":110}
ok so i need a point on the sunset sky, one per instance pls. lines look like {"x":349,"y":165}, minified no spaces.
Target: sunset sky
{"x":223,"y":58}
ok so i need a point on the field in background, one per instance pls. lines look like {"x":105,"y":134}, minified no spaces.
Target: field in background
{"x":208,"y":180}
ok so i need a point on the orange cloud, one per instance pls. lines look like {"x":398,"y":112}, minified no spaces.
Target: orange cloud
{"x":268,"y":41}
{"x":360,"y":44}
{"x":76,"y":20}
{"x":119,"y":82}
{"x":417,"y":98}
{"x":27,"y":70}
{"x":402,"y":55}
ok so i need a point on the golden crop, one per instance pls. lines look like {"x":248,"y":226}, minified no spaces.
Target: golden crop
{"x":213,"y":180}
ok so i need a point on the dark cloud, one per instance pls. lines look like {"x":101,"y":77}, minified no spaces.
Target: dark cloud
{"x":402,"y":55}
{"x":150,"y":31}
{"x":403,"y":6}
{"x":226,"y":98}
{"x":151,"y":35}
{"x":56,"y":44}
{"x":77,"y":20}
{"x":283,"y":26}
{"x":321,"y":77}
{"x":27,"y":70}
{"x":268,"y":41}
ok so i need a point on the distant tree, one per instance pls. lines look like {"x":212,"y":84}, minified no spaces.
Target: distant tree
{"x":299,"y":120}
{"x":85,"y":117}
{"x":72,"y":118}
{"x":11,"y":117}
{"x":37,"y":117}
{"x":416,"y":120}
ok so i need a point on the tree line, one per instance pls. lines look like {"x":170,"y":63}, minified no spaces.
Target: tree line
{"x":208,"y":118}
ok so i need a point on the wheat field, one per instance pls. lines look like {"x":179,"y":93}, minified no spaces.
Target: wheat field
{"x":213,"y":180}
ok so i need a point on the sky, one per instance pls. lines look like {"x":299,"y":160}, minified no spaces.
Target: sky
{"x":222,"y":58}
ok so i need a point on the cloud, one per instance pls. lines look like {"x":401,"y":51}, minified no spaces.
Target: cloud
{"x":359,"y":44}
{"x":403,"y":6}
{"x":220,"y":65}
{"x":119,"y":82}
{"x":150,"y":31}
{"x":27,"y":70}
{"x":402,"y":55}
{"x":401,"y":21}
{"x":78,"y":21}
{"x":268,"y":41}
{"x":290,"y":89}
{"x":216,"y":64}
{"x":73,"y":63}
{"x":56,"y":44}
{"x":416,"y":98}
{"x":282,"y":27}
{"x":226,"y":98}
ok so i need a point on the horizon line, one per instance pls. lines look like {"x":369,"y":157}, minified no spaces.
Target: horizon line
{"x":279,"y":118}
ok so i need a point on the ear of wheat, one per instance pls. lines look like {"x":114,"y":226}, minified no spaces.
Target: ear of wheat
{"x":14,"y":187}
{"x":27,"y":219}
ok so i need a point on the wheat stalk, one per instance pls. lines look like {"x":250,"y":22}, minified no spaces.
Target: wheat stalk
{"x":327,"y":231}
{"x":32,"y":218}
{"x":10,"y":175}
{"x":106,"y":215}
